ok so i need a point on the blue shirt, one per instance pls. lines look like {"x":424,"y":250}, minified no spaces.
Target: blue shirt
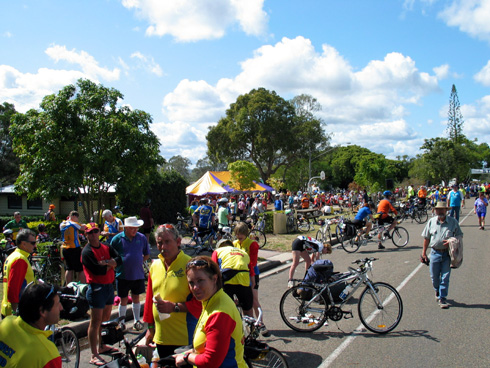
{"x":278,"y":205}
{"x":455,"y":198}
{"x":131,"y":252}
{"x":363,"y":213}
{"x":205,"y":214}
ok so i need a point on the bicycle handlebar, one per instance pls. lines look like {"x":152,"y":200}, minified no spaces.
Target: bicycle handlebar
{"x":365,"y":260}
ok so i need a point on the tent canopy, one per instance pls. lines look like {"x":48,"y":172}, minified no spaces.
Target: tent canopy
{"x":214,"y":182}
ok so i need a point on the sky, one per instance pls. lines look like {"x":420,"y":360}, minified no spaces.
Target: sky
{"x":382,"y":70}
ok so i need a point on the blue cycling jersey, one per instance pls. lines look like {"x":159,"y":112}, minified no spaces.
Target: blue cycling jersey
{"x":206,"y":215}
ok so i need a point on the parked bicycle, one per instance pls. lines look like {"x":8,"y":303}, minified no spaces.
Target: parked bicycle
{"x":411,"y":209}
{"x":257,"y":233}
{"x":324,"y":234}
{"x":184,"y":225}
{"x":291,"y":224}
{"x":352,"y":240}
{"x":49,"y":266}
{"x":308,"y":305}
{"x":200,"y":242}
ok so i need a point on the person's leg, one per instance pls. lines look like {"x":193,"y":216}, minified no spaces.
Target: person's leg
{"x":81,"y":277}
{"x":304,"y":254}
{"x":94,"y":331}
{"x":435,"y":271}
{"x":106,"y":316}
{"x":483,"y":220}
{"x":69,"y":276}
{"x":445,"y":271}
{"x":294,"y":264}
{"x":457,"y":210}
{"x":451,"y":212}
{"x":122,"y":292}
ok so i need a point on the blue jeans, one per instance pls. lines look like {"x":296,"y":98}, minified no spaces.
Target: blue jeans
{"x":455,"y":212}
{"x":440,"y":270}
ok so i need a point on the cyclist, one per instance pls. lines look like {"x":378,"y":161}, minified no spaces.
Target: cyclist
{"x":203,"y":217}
{"x":384,"y":208}
{"x":42,"y":236}
{"x":224,"y":216}
{"x":7,"y":243}
{"x":303,"y":246}
{"x":364,"y":218}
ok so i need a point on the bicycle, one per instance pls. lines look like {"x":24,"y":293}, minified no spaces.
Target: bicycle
{"x":291,"y":225}
{"x":304,"y":224}
{"x":307,"y":306}
{"x":66,"y":339}
{"x":49,"y":266}
{"x":198,"y":244}
{"x":410,"y":209}
{"x":259,"y":354}
{"x":324,"y":234}
{"x":398,"y":235}
{"x":184,"y":225}
{"x":258,"y":232}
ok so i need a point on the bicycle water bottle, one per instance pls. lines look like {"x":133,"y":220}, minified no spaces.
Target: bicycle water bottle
{"x":345,"y":293}
{"x":154,"y":359}
{"x":142,"y":361}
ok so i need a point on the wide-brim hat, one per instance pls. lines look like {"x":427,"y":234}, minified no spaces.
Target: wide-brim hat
{"x":133,"y":222}
{"x":441,"y":204}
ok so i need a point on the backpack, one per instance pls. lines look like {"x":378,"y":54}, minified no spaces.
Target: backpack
{"x":321,"y":271}
{"x":46,"y":216}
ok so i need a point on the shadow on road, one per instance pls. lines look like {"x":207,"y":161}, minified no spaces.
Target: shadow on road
{"x":455,"y":304}
{"x":406,"y":333}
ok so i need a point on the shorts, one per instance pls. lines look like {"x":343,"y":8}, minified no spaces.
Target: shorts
{"x":124,"y":286}
{"x":243,"y":293}
{"x":386,"y":220}
{"x":481,"y":214}
{"x":299,"y":245}
{"x":72,"y":258}
{"x":358,"y":223}
{"x":256,"y":287}
{"x":100,"y":295}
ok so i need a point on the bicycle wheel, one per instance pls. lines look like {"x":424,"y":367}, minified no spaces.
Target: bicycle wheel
{"x":54,"y":273}
{"x":400,"y":236}
{"x":351,"y":245}
{"x":339,"y":234}
{"x":258,"y":236}
{"x":303,"y":226}
{"x":303,"y":308}
{"x":319,"y":236}
{"x":68,"y":347}
{"x":382,"y":310}
{"x":273,"y":359}
{"x":421,"y":216}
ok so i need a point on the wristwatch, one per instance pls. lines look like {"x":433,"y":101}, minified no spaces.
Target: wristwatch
{"x":186,"y":357}
{"x":176,"y":308}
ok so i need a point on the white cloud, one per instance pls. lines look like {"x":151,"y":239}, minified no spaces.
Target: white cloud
{"x":477,"y":119}
{"x":442,"y":71}
{"x":26,"y":90}
{"x":148,"y":63}
{"x":194,"y":20}
{"x":470,"y":16}
{"x":483,"y":76}
{"x":371,"y":100}
{"x":86,"y":61}
{"x":7,"y":34}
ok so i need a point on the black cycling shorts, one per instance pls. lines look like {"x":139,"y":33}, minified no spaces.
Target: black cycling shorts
{"x":243,"y":293}
{"x":386,"y":220}
{"x":358,"y":223}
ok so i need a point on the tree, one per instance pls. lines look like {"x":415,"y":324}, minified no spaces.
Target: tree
{"x":180,"y":164}
{"x":81,"y":143}
{"x":8,"y":160}
{"x":455,"y":118}
{"x":263,"y":128}
{"x":242,"y":175}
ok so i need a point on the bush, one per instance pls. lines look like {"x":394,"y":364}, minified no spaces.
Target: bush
{"x":52,"y":228}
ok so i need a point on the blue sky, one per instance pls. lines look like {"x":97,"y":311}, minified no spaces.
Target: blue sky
{"x":382,"y":70}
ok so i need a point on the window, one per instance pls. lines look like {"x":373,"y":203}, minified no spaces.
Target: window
{"x":35,"y":204}
{"x":14,"y":202}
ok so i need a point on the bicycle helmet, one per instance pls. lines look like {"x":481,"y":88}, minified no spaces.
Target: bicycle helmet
{"x":8,"y":232}
{"x":387,"y":193}
{"x":223,"y":200}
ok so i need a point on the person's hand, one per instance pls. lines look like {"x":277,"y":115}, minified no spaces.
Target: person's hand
{"x":446,"y":243}
{"x":164,"y":306}
{"x":150,"y":334}
{"x":179,"y":360}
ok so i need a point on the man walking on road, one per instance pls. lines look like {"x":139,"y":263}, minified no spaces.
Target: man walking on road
{"x":454,"y":200}
{"x":436,"y":235}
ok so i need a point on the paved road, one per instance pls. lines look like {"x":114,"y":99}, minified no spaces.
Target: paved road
{"x":426,"y":337}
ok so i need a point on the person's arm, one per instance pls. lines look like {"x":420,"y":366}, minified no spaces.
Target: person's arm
{"x":115,"y":256}
{"x":15,"y":279}
{"x":254,"y":255}
{"x":54,"y":363}
{"x":148,"y":310}
{"x":91,"y":263}
{"x":424,"y":249}
{"x":219,"y":328}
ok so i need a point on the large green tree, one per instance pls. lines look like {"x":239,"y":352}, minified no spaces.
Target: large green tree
{"x":9,"y":163}
{"x":180,"y":164}
{"x":81,"y":143}
{"x":263,"y":128}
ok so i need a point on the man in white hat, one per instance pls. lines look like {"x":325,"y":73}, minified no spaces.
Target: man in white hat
{"x":436,"y":234}
{"x":134,"y":249}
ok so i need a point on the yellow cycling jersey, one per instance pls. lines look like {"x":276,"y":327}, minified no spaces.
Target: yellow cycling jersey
{"x":234,"y":259}
{"x":172,"y":285}
{"x":22,"y":345}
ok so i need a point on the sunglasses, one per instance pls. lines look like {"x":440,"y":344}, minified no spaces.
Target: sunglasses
{"x":166,"y":226}
{"x":50,"y":292}
{"x":196,"y":263}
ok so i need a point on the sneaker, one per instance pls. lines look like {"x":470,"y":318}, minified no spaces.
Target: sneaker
{"x":290,"y":284}
{"x":264,"y":331}
{"x":437,"y":295}
{"x":387,"y":235}
{"x":381,"y":246}
{"x":443,"y":303}
{"x":138,"y":326}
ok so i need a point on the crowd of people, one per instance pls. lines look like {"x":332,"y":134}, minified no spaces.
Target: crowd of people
{"x":190,"y":301}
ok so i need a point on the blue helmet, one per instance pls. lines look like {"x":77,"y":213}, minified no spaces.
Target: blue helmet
{"x":387,"y":193}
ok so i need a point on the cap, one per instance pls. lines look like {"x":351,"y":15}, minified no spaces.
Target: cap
{"x":52,"y":206}
{"x":91,"y":227}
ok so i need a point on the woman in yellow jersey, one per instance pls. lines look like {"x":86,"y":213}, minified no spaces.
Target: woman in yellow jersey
{"x":218,"y":338}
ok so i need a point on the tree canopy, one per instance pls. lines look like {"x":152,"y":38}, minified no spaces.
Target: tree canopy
{"x":82,"y":143}
{"x":8,"y":160}
{"x":263,"y":128}
{"x":242,"y":175}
